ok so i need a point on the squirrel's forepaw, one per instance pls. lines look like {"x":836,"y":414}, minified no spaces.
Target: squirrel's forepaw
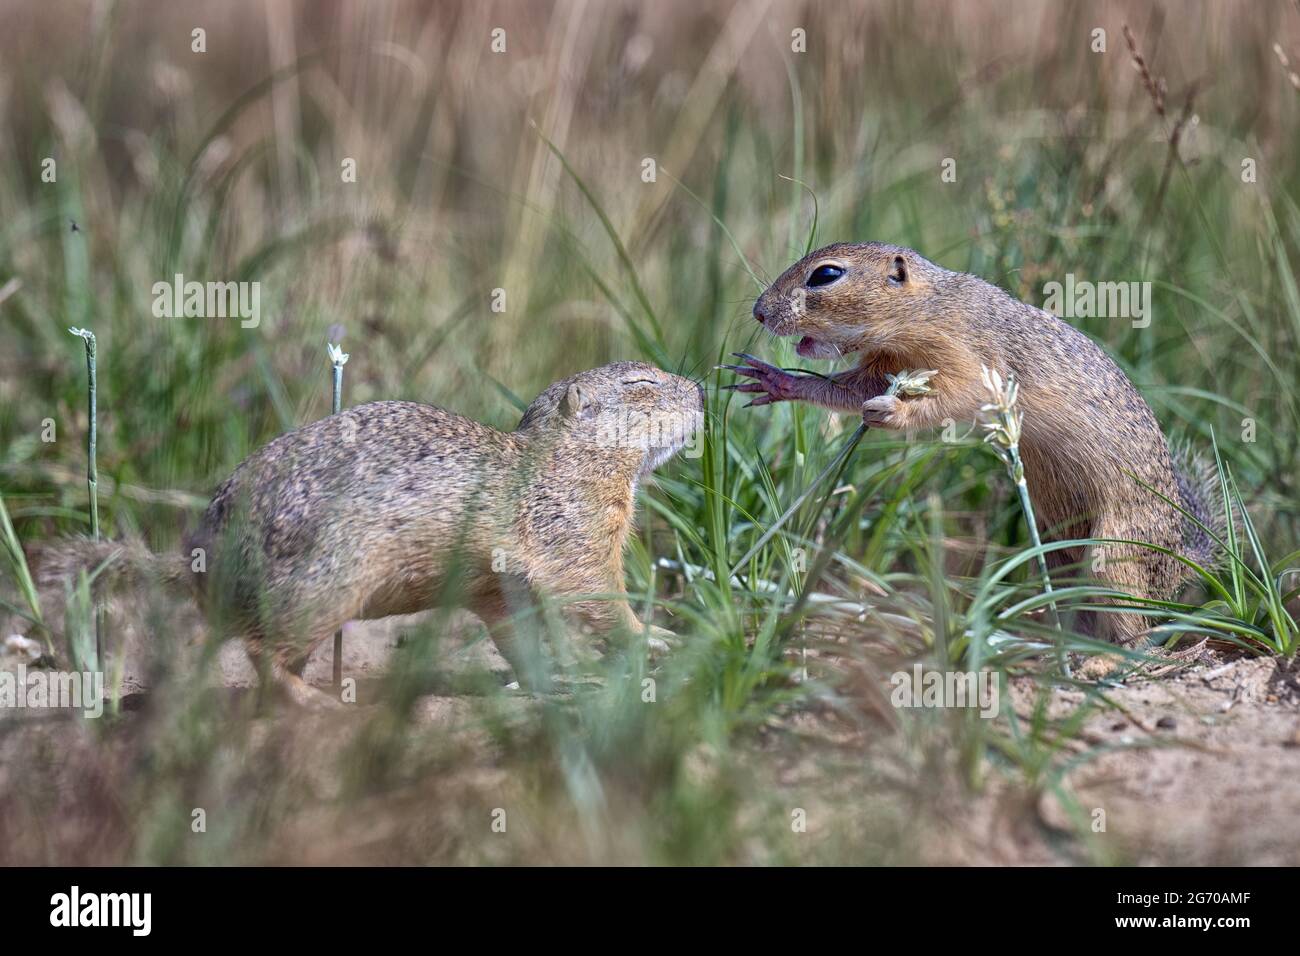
{"x":883,"y":411}
{"x":660,"y":641}
{"x":1098,"y":667}
{"x":772,"y":384}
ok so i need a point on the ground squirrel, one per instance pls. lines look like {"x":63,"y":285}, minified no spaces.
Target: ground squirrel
{"x":1086,"y":429}
{"x":394,"y":507}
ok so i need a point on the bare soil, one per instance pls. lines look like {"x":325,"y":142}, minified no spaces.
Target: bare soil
{"x":1195,"y":767}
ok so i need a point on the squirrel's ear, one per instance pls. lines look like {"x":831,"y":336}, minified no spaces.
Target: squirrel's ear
{"x":898,"y":271}
{"x":576,"y":403}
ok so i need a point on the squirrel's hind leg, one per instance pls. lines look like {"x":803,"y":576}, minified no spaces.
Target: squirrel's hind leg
{"x":1129,"y":570}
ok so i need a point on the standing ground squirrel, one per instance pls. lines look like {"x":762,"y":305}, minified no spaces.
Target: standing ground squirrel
{"x":394,"y":507}
{"x":1086,"y":434}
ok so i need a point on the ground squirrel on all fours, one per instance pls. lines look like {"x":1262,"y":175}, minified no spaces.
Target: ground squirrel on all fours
{"x":394,"y":507}
{"x":1086,"y":429}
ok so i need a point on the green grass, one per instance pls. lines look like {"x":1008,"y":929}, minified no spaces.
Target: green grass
{"x":918,"y":552}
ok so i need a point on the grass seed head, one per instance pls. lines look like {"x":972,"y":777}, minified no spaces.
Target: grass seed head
{"x":911,"y":383}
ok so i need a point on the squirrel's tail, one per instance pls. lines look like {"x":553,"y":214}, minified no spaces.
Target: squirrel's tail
{"x":60,"y":562}
{"x":1198,"y":486}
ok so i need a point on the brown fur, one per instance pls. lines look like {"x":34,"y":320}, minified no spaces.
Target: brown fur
{"x":394,"y":507}
{"x":1086,"y":428}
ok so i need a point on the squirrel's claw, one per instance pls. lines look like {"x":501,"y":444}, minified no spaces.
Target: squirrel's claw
{"x":756,"y":362}
{"x":758,"y":367}
{"x":739,"y":369}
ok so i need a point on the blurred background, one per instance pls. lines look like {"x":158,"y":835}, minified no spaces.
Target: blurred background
{"x":772,"y":127}
{"x":227,"y":165}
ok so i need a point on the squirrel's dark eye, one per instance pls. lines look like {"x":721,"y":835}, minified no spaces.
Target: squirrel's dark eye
{"x":824,"y":275}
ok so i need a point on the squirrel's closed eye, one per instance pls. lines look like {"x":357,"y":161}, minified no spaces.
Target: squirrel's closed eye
{"x":641,"y":381}
{"x":824,"y":275}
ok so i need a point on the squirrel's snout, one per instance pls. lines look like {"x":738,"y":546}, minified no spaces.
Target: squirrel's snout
{"x":758,"y":314}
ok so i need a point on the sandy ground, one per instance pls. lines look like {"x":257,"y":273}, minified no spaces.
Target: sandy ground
{"x":1221,"y":784}
{"x":1197,"y":766}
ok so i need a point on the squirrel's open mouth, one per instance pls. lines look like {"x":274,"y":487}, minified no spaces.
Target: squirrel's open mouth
{"x":810,"y":347}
